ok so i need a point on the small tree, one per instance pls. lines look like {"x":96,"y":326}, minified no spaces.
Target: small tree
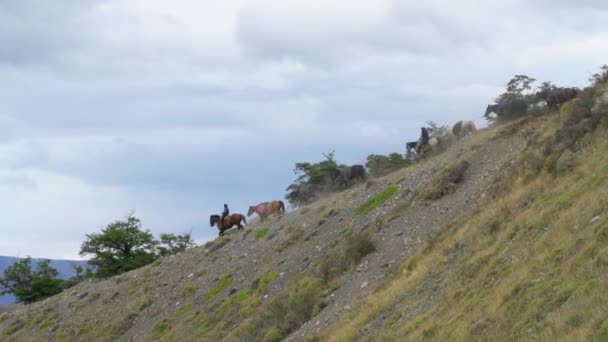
{"x":28,"y":286}
{"x":517,"y":88}
{"x":313,"y":178}
{"x":600,"y":77}
{"x":379,"y":165}
{"x":173,"y":244}
{"x":435,"y":130}
{"x":120,"y":247}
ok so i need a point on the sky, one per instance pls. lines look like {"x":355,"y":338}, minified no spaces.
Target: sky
{"x":174,"y":108}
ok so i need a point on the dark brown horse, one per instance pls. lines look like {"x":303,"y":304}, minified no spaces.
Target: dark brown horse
{"x":267,"y":208}
{"x":507,"y":107}
{"x":229,"y":222}
{"x":556,"y":97}
{"x":350,"y":173}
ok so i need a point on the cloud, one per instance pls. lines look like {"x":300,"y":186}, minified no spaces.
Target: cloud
{"x":174,"y":108}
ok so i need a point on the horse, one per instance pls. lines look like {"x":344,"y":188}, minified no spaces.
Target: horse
{"x":348,"y":173}
{"x":556,"y":97}
{"x":463,"y":128}
{"x":506,"y":107}
{"x":432,"y":144}
{"x":409,"y":146}
{"x":229,"y":222}
{"x":267,"y":208}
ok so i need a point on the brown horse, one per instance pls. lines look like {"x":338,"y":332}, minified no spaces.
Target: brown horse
{"x":267,"y":208}
{"x":229,"y":222}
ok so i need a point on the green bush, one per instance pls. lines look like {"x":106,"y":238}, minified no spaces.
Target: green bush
{"x":29,"y":285}
{"x":120,"y":247}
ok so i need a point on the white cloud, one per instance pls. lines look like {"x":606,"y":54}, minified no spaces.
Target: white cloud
{"x":110,"y":105}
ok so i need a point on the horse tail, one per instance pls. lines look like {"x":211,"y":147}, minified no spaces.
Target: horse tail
{"x":281,"y":207}
{"x":244,"y":219}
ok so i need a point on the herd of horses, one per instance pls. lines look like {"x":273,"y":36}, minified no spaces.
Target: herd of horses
{"x":263,"y":210}
{"x":344,"y":177}
{"x":553,"y":97}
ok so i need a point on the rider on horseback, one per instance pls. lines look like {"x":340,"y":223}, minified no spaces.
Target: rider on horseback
{"x":225,"y":213}
{"x":424,"y":139}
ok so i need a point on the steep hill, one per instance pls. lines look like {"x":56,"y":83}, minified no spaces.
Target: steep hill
{"x":501,"y":237}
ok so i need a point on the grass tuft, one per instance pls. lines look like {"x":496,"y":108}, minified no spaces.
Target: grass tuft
{"x":376,"y":200}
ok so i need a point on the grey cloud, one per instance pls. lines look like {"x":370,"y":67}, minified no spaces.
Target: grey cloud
{"x":34,"y":32}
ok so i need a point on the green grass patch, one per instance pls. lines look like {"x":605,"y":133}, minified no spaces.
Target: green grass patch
{"x":377,"y":200}
{"x":161,"y":326}
{"x":224,"y":282}
{"x":260,"y":283}
{"x":261,"y":233}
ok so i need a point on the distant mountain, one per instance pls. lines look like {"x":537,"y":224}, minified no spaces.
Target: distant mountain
{"x":64,"y":267}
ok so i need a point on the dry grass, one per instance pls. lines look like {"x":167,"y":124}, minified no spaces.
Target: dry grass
{"x":526,"y":272}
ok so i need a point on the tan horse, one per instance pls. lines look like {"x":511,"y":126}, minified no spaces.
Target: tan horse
{"x":267,"y":208}
{"x":433,"y":144}
{"x":463,"y":128}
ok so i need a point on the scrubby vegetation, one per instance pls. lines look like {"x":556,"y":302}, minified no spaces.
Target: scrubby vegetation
{"x":530,"y":266}
{"x":380,"y":165}
{"x":123,"y":246}
{"x":446,"y":181}
{"x":525,"y":261}
{"x":29,"y":284}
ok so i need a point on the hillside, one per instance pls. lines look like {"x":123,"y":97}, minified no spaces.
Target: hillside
{"x":64,"y":267}
{"x":500,"y":237}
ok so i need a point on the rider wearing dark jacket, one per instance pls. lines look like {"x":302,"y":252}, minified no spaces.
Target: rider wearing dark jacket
{"x":225,"y":212}
{"x":424,"y":136}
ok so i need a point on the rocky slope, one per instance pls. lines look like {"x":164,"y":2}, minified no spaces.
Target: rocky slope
{"x":298,"y":276}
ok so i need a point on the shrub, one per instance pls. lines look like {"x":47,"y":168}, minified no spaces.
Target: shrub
{"x":376,"y":200}
{"x":30,"y":285}
{"x":161,"y":326}
{"x":188,"y":291}
{"x":273,"y":334}
{"x":356,"y":247}
{"x":447,"y":181}
{"x":300,"y":300}
{"x":566,"y":162}
{"x":261,"y":233}
{"x":379,"y":165}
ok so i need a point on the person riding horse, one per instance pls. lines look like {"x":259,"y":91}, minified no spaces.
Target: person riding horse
{"x":225,"y":212}
{"x":424,"y":139}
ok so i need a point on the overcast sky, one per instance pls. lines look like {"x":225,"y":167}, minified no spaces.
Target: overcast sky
{"x":173,"y":108}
